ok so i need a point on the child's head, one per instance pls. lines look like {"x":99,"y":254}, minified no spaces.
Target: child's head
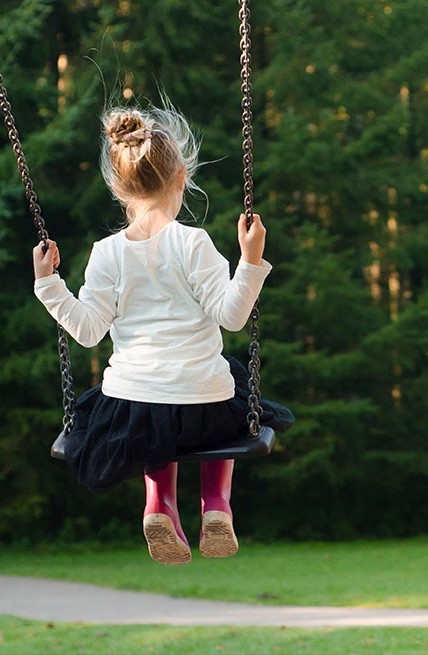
{"x":144,"y":151}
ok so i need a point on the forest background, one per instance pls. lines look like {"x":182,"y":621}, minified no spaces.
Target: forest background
{"x":341,"y":151}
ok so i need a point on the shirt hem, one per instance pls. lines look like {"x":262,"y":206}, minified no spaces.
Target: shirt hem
{"x":162,"y":399}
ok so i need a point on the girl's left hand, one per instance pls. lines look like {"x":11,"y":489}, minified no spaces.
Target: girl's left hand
{"x":252,"y":241}
{"x":45,"y":262}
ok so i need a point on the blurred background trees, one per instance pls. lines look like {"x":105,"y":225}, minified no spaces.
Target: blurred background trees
{"x":341,"y":147}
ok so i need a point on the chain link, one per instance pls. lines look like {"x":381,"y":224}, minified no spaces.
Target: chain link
{"x":39,"y":223}
{"x":255,"y":410}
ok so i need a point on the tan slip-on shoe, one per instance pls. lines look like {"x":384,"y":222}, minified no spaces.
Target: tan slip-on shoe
{"x":218,"y":538}
{"x":163,"y":541}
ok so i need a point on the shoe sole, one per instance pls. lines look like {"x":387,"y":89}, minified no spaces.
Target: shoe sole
{"x":164,"y":544}
{"x":218,"y":537}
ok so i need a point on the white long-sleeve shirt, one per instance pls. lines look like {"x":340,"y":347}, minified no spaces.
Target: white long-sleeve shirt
{"x":163,"y":300}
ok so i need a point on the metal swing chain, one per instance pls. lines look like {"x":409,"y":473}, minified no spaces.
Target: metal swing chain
{"x":63,"y":349}
{"x":255,"y":412}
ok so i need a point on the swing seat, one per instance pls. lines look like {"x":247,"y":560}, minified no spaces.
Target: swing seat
{"x":243,"y":448}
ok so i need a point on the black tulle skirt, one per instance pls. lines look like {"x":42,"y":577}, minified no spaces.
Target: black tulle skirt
{"x":114,"y":439}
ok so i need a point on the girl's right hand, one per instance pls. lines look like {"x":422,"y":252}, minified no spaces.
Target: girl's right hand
{"x":45,"y":262}
{"x":252,"y":241}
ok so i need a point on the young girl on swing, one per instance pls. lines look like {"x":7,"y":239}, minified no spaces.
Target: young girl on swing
{"x":163,"y":291}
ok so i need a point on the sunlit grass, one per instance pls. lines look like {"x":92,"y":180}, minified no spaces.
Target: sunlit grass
{"x":370,"y":573}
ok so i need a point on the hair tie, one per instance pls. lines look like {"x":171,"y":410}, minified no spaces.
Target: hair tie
{"x":137,"y":135}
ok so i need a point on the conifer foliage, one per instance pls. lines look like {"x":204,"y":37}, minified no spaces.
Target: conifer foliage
{"x":341,"y":151}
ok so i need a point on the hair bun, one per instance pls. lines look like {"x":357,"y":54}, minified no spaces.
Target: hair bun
{"x":123,"y":122}
{"x":144,"y":150}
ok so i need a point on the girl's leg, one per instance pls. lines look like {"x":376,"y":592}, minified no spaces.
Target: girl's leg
{"x":161,"y":522}
{"x":217,"y":536}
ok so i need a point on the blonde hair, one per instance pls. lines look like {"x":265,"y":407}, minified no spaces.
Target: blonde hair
{"x":143,"y":150}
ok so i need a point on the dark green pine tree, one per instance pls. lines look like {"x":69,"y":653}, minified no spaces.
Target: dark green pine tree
{"x":341,"y":170}
{"x":344,"y":172}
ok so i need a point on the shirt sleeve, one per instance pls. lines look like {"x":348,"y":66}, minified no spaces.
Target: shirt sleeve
{"x":227,"y":301}
{"x":88,"y":317}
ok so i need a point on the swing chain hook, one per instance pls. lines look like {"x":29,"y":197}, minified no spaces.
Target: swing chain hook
{"x":36,"y":212}
{"x":255,"y":410}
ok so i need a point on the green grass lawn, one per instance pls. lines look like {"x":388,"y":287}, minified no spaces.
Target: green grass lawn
{"x":23,"y":637}
{"x":366,"y":573}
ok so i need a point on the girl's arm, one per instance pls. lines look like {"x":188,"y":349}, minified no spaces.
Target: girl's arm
{"x":87,"y":318}
{"x":229,"y":301}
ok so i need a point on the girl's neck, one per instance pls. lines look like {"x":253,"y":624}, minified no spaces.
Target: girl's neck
{"x":147,"y":219}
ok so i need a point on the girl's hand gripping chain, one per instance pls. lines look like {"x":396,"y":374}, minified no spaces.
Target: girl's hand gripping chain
{"x":252,"y":241}
{"x":45,"y":261}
